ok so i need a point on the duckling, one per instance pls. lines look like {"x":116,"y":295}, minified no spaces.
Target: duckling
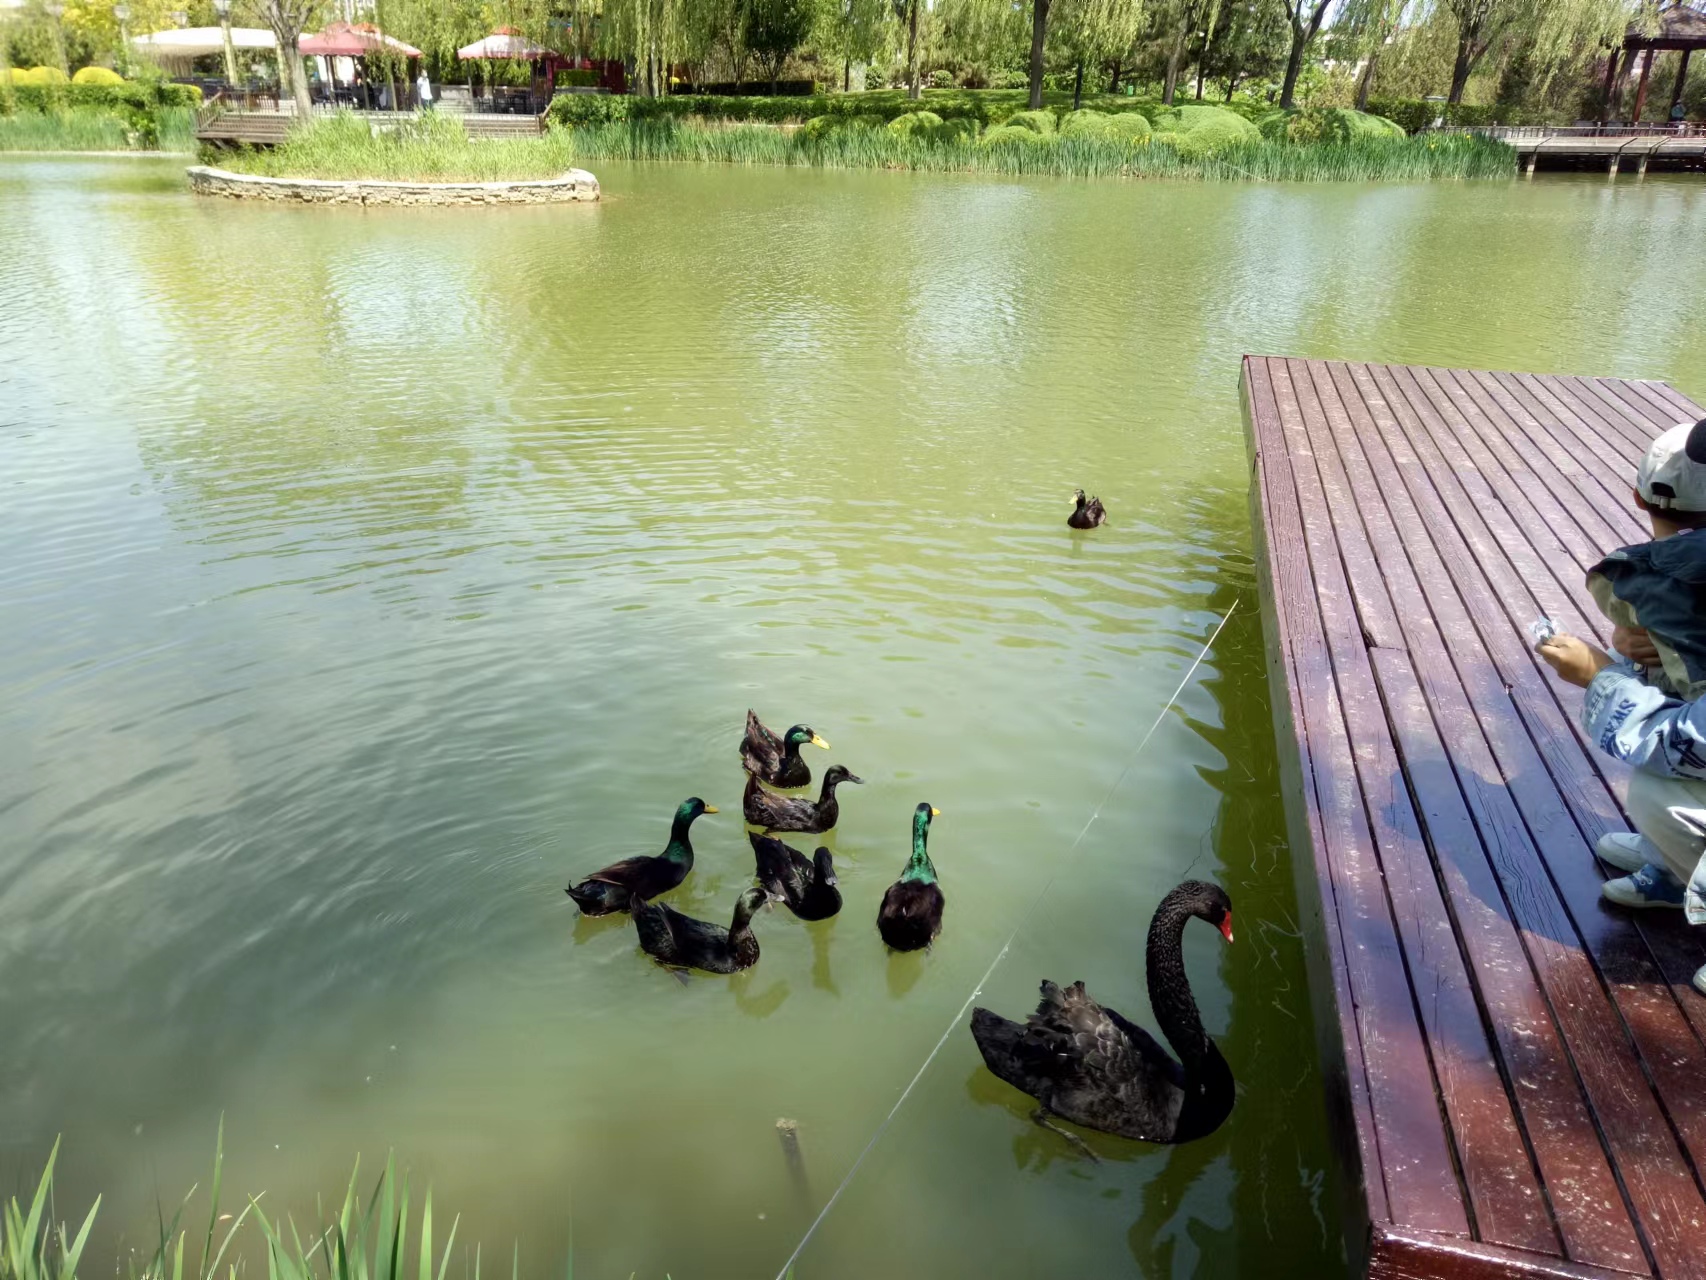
{"x":911,"y":914}
{"x":647,"y":876}
{"x":1086,"y":514}
{"x":673,"y":939}
{"x":777,"y":760}
{"x":787,"y":813}
{"x":809,"y":888}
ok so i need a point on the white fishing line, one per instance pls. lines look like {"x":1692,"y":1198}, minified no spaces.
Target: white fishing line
{"x":1001,"y":955}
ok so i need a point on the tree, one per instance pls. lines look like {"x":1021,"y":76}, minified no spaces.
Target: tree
{"x":1088,"y":31}
{"x":1039,"y":33}
{"x":1178,"y":19}
{"x":854,"y":30}
{"x":1554,"y":34}
{"x":288,"y":19}
{"x":1305,"y":18}
{"x":774,"y":29}
{"x":1361,"y":30}
{"x":1251,"y":40}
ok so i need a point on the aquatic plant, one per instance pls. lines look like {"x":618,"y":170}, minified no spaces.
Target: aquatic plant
{"x":1016,"y":150}
{"x":427,"y":147}
{"x":356,"y":1243}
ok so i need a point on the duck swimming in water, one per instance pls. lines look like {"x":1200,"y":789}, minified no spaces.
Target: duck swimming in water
{"x":680,"y":941}
{"x":1086,"y":514}
{"x":648,"y":876}
{"x":911,"y":914}
{"x":790,"y":813}
{"x":1089,"y":1065}
{"x":777,"y":760}
{"x":808,"y":888}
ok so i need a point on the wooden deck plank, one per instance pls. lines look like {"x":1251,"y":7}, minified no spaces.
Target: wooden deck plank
{"x":1501,"y":1182}
{"x":1421,"y":1184}
{"x":1439,"y":510}
{"x":1279,"y":533}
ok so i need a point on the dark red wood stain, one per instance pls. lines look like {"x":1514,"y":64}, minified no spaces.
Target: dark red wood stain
{"x":1525,"y":1067}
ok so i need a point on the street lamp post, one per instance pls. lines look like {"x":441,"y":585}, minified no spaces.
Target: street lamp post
{"x":55,"y":10}
{"x":223,"y":9}
{"x":122,"y":13}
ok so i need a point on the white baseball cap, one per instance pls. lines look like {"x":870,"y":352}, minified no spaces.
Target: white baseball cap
{"x":1673,"y":474}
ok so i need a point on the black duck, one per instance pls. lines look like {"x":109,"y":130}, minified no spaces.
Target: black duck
{"x":648,"y":876}
{"x":777,"y":760}
{"x":1089,"y":1065}
{"x":789,"y":813}
{"x":680,"y":941}
{"x":911,"y":914}
{"x":1086,"y":514}
{"x":808,"y":888}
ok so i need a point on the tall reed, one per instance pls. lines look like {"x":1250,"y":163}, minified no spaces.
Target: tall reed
{"x":1405,"y":159}
{"x":428,"y":147}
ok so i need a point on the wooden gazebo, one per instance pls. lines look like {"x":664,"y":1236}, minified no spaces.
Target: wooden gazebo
{"x":1679,"y":27}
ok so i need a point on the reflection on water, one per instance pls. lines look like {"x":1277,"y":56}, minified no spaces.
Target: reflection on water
{"x":371,"y":575}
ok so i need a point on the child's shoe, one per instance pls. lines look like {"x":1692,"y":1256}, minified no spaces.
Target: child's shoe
{"x":1700,"y":979}
{"x":1626,"y":850}
{"x":1648,"y":887}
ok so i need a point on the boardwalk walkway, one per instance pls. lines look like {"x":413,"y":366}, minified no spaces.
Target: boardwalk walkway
{"x":1519,"y":1070}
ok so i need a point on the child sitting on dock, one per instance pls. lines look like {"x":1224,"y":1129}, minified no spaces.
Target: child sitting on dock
{"x":1646,"y":708}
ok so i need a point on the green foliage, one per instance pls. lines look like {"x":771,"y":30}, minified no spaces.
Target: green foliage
{"x":774,"y":29}
{"x":1324,"y":124}
{"x":1087,"y":123}
{"x":1413,"y":115}
{"x":1130,"y":125}
{"x":97,"y":75}
{"x":1221,"y":123}
{"x":1015,"y":149}
{"x":430,"y":147}
{"x":1042,"y":122}
{"x":1213,"y":136}
{"x":38,"y":77}
{"x":916,"y":122}
{"x":101,"y":117}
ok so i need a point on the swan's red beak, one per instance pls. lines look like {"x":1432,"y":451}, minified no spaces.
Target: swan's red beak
{"x":1226,"y":925}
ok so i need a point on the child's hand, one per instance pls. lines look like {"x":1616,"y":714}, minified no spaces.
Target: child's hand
{"x":1576,"y":661}
{"x":1636,"y":645}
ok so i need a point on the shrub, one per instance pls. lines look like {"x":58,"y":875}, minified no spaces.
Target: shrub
{"x":38,"y":77}
{"x":1325,"y":124}
{"x":1039,"y":122}
{"x":97,"y":75}
{"x":941,"y":79}
{"x":1014,"y":135}
{"x":1129,"y":124}
{"x":1191,"y":116}
{"x":1088,"y":124}
{"x":1208,"y":137}
{"x":916,"y":122}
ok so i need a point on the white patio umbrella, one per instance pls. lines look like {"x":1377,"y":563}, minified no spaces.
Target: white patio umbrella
{"x":505,"y":44}
{"x":198,"y":42}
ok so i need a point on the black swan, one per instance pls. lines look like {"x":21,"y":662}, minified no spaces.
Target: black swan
{"x":1088,"y":1065}
{"x":680,"y":941}
{"x":911,"y":914}
{"x":644,"y":877}
{"x":788,"y":813}
{"x":808,"y":888}
{"x":1086,"y":514}
{"x":777,"y":760}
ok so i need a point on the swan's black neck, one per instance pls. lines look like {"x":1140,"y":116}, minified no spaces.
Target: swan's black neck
{"x":1170,"y":990}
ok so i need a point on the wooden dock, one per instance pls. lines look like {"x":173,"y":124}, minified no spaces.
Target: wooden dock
{"x":1517,"y":1070}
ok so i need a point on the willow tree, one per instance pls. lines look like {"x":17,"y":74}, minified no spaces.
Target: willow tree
{"x":1362,"y":28}
{"x":654,"y":34}
{"x":855,"y":31}
{"x":1088,"y":31}
{"x":1554,"y":34}
{"x":1178,"y":20}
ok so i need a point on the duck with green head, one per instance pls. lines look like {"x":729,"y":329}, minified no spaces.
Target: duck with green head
{"x":911,"y":914}
{"x":777,"y":760}
{"x":648,"y":876}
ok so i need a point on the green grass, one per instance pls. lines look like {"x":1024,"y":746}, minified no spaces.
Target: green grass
{"x":1068,"y":155}
{"x":97,"y":129}
{"x":357,"y":1242}
{"x":425,"y":148}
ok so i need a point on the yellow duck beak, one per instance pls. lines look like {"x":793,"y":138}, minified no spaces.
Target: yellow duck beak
{"x":935,"y":812}
{"x":711,"y":808}
{"x":819,"y":742}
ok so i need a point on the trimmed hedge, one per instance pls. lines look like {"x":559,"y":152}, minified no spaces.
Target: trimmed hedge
{"x":982,"y":106}
{"x":1414,"y":115}
{"x":130,"y":96}
{"x":1325,"y":124}
{"x":97,"y":75}
{"x":33,"y":76}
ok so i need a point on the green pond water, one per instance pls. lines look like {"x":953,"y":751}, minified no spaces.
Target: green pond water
{"x":367,"y":576}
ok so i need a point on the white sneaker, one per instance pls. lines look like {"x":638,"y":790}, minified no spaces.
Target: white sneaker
{"x":1700,"y":979}
{"x":1628,"y":851}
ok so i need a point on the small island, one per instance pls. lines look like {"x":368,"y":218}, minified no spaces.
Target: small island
{"x":426,"y":159}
